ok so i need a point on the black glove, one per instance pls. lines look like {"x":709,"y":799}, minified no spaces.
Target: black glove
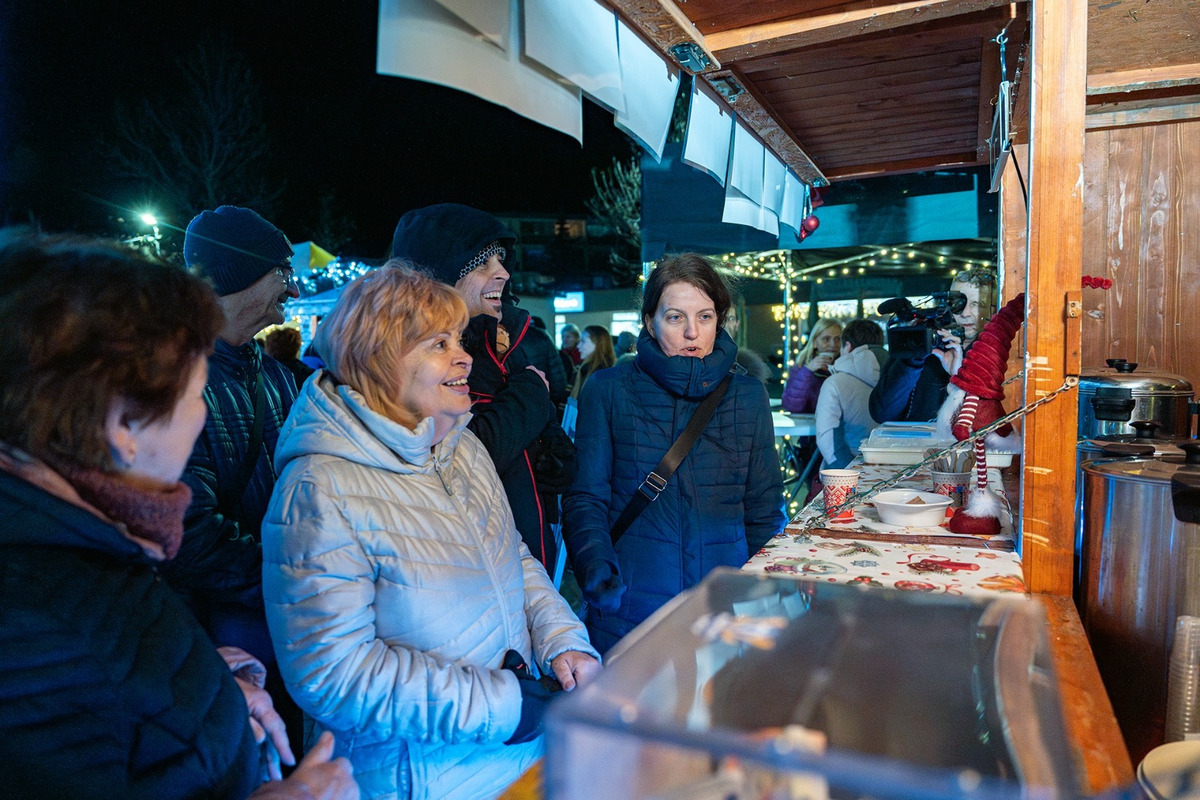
{"x":535,"y":696}
{"x":555,"y":462}
{"x":602,"y":586}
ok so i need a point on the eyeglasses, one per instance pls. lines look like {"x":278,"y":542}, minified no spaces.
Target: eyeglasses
{"x":286,"y":273}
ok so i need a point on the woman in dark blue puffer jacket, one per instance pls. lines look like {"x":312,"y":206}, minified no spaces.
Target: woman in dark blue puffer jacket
{"x":723,"y":503}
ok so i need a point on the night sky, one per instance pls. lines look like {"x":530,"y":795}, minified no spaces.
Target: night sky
{"x":382,"y":144}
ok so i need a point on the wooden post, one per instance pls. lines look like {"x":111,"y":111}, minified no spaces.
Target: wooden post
{"x":1059,"y":81}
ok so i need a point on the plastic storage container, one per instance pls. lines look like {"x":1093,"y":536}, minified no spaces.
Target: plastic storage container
{"x":755,"y":686}
{"x":906,"y":443}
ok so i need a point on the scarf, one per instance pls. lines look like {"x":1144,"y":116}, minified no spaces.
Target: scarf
{"x":148,"y":511}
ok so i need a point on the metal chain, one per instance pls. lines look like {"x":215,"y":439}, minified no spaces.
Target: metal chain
{"x":1069,"y":383}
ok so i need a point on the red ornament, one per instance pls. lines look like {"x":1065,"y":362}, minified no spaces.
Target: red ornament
{"x":810,"y":223}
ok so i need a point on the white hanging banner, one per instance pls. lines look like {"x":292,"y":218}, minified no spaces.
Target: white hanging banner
{"x":795,"y":202}
{"x":773,"y":177}
{"x":490,"y":19}
{"x":577,"y":39}
{"x":709,"y":131}
{"x":420,"y":39}
{"x":650,"y":85}
{"x":746,"y":164}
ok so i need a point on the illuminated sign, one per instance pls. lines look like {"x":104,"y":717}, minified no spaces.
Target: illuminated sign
{"x":568,"y":302}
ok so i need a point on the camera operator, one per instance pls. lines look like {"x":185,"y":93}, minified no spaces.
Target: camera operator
{"x":913,"y":390}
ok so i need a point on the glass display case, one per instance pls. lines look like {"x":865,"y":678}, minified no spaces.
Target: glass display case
{"x":756,"y":686}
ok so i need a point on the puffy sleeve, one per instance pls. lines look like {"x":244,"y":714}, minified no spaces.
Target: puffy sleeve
{"x":319,"y":587}
{"x":801,"y":390}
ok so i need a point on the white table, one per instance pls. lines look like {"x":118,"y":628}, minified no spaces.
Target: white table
{"x":788,"y":429}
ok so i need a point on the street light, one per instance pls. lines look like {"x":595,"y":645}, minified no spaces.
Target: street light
{"x":148,"y":239}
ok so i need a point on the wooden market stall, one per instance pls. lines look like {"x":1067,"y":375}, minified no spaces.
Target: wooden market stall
{"x":1099,"y":177}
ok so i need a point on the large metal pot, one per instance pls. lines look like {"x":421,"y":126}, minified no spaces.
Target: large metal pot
{"x":1140,"y":570}
{"x":1109,"y":399}
{"x":1146,"y":441}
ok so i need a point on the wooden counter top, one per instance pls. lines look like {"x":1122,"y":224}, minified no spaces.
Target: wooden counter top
{"x":1096,"y":739}
{"x":1100,"y":751}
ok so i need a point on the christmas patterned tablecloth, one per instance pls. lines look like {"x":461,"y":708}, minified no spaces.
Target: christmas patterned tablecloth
{"x":867,"y":551}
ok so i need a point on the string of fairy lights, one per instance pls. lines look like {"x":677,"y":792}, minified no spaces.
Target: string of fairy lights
{"x":781,"y":267}
{"x":333,"y":275}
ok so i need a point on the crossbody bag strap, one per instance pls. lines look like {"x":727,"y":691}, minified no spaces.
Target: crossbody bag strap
{"x":231,"y":502}
{"x":656,"y":481}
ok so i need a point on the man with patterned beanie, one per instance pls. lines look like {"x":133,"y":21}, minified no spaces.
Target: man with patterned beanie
{"x":513,"y":414}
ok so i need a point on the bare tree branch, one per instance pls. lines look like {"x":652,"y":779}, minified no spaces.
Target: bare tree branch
{"x":203,"y":145}
{"x":617,"y":202}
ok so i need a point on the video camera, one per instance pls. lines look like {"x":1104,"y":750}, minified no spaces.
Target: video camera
{"x":912,"y":331}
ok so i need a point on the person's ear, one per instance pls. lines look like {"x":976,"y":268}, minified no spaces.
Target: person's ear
{"x":118,"y":432}
{"x":648,"y":326}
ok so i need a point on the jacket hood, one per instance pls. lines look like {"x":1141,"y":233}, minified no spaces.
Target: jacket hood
{"x":686,"y":376}
{"x":333,"y":419}
{"x":862,"y":362}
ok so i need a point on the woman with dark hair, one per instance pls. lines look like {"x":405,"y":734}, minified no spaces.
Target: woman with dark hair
{"x":596,"y":350}
{"x":110,"y":687}
{"x":725,"y":500}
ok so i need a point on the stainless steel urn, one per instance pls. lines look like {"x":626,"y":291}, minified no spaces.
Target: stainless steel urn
{"x":1139,"y":570}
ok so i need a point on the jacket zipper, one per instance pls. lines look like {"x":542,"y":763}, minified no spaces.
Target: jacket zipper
{"x":442,"y":477}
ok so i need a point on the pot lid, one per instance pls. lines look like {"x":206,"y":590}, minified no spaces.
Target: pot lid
{"x":1148,"y":468}
{"x":1124,"y":374}
{"x":1146,"y":441}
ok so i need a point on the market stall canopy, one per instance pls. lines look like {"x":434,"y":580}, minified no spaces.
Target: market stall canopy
{"x":850,"y":89}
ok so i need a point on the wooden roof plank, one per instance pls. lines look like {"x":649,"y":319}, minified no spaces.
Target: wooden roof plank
{"x":968,"y":70}
{"x":853,"y":19}
{"x":1131,"y":80}
{"x":850,"y":171}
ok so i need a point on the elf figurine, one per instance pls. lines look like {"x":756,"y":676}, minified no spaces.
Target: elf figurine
{"x":972,"y":403}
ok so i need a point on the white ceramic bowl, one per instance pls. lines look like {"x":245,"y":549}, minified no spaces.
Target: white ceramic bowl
{"x":894,"y":508}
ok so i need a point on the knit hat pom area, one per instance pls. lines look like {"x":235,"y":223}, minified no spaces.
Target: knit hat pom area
{"x":234,"y":247}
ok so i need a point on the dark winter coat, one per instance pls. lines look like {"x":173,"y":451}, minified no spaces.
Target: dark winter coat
{"x":911,"y":392}
{"x":515,"y":420}
{"x":541,"y":352}
{"x":722,"y":504}
{"x":108,"y":686}
{"x":218,"y":570}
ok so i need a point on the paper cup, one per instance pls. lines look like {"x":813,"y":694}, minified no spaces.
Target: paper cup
{"x":952,"y":484}
{"x":840,"y":484}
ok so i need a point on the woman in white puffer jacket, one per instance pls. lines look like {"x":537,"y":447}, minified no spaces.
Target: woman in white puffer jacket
{"x":394,"y":577}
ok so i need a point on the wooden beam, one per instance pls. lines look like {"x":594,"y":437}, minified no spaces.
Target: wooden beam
{"x":851,"y":20}
{"x":1120,"y":118}
{"x":664,"y":25}
{"x":853,"y":171}
{"x":1132,"y":80}
{"x":1055,"y":221}
{"x":763,"y":120}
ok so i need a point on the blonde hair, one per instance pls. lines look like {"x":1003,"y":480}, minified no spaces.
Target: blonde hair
{"x":377,"y":321}
{"x":820,"y":326}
